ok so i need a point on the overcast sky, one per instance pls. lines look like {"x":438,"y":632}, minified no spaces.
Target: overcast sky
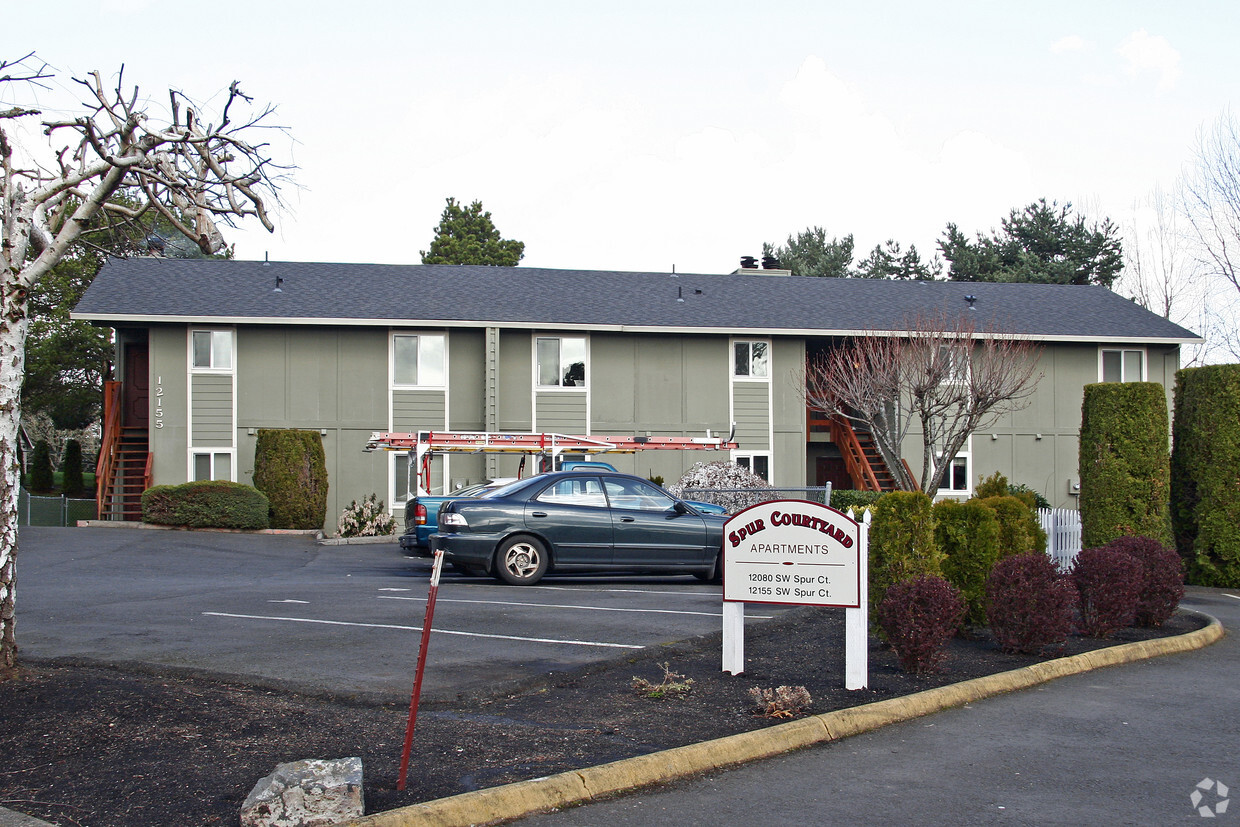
{"x":653,"y":135}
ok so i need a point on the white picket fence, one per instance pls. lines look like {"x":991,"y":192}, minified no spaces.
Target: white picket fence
{"x":1063,"y":534}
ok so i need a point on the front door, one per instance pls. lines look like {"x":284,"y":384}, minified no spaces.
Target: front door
{"x":136,"y":389}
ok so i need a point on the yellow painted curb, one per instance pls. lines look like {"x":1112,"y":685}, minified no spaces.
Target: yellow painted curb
{"x":578,"y":786}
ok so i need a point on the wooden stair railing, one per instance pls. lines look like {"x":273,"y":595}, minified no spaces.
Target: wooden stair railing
{"x":856,"y":462}
{"x":105,"y":466}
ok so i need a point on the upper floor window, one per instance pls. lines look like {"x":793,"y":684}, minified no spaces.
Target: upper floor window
{"x":751,"y":360}
{"x":955,"y":362}
{"x":561,"y":361}
{"x":1123,"y":366}
{"x":212,"y":349}
{"x":418,"y":359}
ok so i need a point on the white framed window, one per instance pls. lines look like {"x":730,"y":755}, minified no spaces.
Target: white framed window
{"x":419,"y":360}
{"x":751,"y":360}
{"x":756,"y":462}
{"x":560,"y":361}
{"x":1121,"y":365}
{"x":959,"y":476}
{"x":957,"y":362}
{"x":211,"y":465}
{"x":211,"y":350}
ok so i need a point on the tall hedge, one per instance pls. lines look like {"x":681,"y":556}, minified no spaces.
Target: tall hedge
{"x":1125,"y":463}
{"x":41,"y":479}
{"x":1205,"y":474}
{"x":290,"y":468}
{"x":73,"y":484}
{"x":968,"y":535}
{"x":902,"y":544}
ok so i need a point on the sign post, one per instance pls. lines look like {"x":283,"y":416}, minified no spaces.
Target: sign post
{"x":416,"y":695}
{"x":801,"y":553}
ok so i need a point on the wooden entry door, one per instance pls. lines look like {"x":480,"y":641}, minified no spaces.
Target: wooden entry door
{"x":136,"y":389}
{"x":832,"y":470}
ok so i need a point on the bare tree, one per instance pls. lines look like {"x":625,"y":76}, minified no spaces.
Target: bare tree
{"x":1212,"y":199}
{"x":113,"y":164}
{"x":1158,"y":267}
{"x":943,"y":376}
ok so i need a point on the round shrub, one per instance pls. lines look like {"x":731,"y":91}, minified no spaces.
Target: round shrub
{"x":1030,"y":604}
{"x":1108,"y":583}
{"x":1162,"y":581}
{"x":205,"y":504}
{"x":968,"y":535}
{"x":1019,"y":529}
{"x":367,"y":519}
{"x":735,"y":484}
{"x":919,"y":616}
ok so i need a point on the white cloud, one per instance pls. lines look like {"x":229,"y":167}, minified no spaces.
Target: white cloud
{"x":1071,"y":43}
{"x":1144,"y":52}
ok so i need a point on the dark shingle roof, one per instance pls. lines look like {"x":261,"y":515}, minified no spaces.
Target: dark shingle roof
{"x":158,"y":289}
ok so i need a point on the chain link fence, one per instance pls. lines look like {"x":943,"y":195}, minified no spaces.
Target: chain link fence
{"x":52,"y":511}
{"x":737,"y":499}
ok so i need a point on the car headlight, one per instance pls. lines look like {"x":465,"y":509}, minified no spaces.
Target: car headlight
{"x":453,"y":520}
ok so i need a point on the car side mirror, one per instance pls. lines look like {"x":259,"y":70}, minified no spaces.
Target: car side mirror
{"x":680,"y":508}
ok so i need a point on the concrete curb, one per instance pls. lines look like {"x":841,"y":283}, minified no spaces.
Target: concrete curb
{"x":581,"y":786}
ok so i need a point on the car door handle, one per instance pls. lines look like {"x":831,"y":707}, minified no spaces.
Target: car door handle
{"x":626,"y":519}
{"x":538,"y":513}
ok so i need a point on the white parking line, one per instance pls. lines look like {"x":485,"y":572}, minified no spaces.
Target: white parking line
{"x":1236,"y":596}
{"x":714,"y":595}
{"x":419,"y":628}
{"x":569,"y":606}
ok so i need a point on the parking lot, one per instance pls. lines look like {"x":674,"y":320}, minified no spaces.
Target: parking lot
{"x":288,"y":610}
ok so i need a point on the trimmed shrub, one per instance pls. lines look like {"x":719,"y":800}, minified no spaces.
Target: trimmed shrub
{"x":997,"y":485}
{"x":902,"y":542}
{"x":370,"y":519}
{"x":41,"y":479}
{"x":918,"y":617}
{"x":72,"y":483}
{"x":1030,"y":604}
{"x":968,"y":535}
{"x":290,"y":468}
{"x":1125,"y":463}
{"x":205,"y":504}
{"x":1162,"y":581}
{"x":1205,"y":474}
{"x":1108,"y":584}
{"x":1019,"y":529}
{"x":846,"y":499}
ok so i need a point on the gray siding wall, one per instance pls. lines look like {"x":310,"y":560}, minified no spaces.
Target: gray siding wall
{"x":751,"y":408}
{"x":169,"y":372}
{"x":562,"y":413}
{"x":212,"y":410}
{"x":414,"y":409}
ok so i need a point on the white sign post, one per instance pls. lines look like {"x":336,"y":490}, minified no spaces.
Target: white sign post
{"x":801,"y":553}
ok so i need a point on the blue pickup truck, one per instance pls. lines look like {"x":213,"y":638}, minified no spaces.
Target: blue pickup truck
{"x":422,"y":513}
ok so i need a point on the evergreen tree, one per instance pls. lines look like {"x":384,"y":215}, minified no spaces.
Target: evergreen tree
{"x":41,"y":479}
{"x":1043,"y":243}
{"x":466,"y":235}
{"x":72,"y":483}
{"x":810,"y":253}
{"x":891,"y":261}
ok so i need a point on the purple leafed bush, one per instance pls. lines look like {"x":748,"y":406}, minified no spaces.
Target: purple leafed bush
{"x":1162,"y":582}
{"x":1030,"y":604}
{"x":919,"y":616}
{"x":1109,"y":583}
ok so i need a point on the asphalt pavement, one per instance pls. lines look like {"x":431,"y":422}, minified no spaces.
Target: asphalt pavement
{"x":346,"y":619}
{"x":1149,"y":743}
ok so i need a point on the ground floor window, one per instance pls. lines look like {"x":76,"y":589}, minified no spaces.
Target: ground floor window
{"x":758,"y":463}
{"x":211,"y":465}
{"x":958,"y":479}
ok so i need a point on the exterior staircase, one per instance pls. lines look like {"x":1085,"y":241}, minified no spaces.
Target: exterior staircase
{"x":862,"y":458}
{"x":124,"y":468}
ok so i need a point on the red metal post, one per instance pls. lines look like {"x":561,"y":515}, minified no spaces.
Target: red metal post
{"x":436,"y":567}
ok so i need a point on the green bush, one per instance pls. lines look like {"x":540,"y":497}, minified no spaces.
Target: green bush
{"x":1125,"y":463}
{"x":918,"y":617}
{"x":968,"y":535}
{"x":41,"y":479}
{"x":997,"y":485}
{"x":1205,"y":474}
{"x":1019,"y":529}
{"x":205,"y":504}
{"x":291,"y":469}
{"x":73,"y":484}
{"x":846,"y":499}
{"x":902,"y":542}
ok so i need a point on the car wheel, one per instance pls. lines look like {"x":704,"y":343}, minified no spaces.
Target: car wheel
{"x":521,"y":561}
{"x":714,"y":574}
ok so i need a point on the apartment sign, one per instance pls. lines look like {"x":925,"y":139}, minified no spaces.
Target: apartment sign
{"x":792,"y":551}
